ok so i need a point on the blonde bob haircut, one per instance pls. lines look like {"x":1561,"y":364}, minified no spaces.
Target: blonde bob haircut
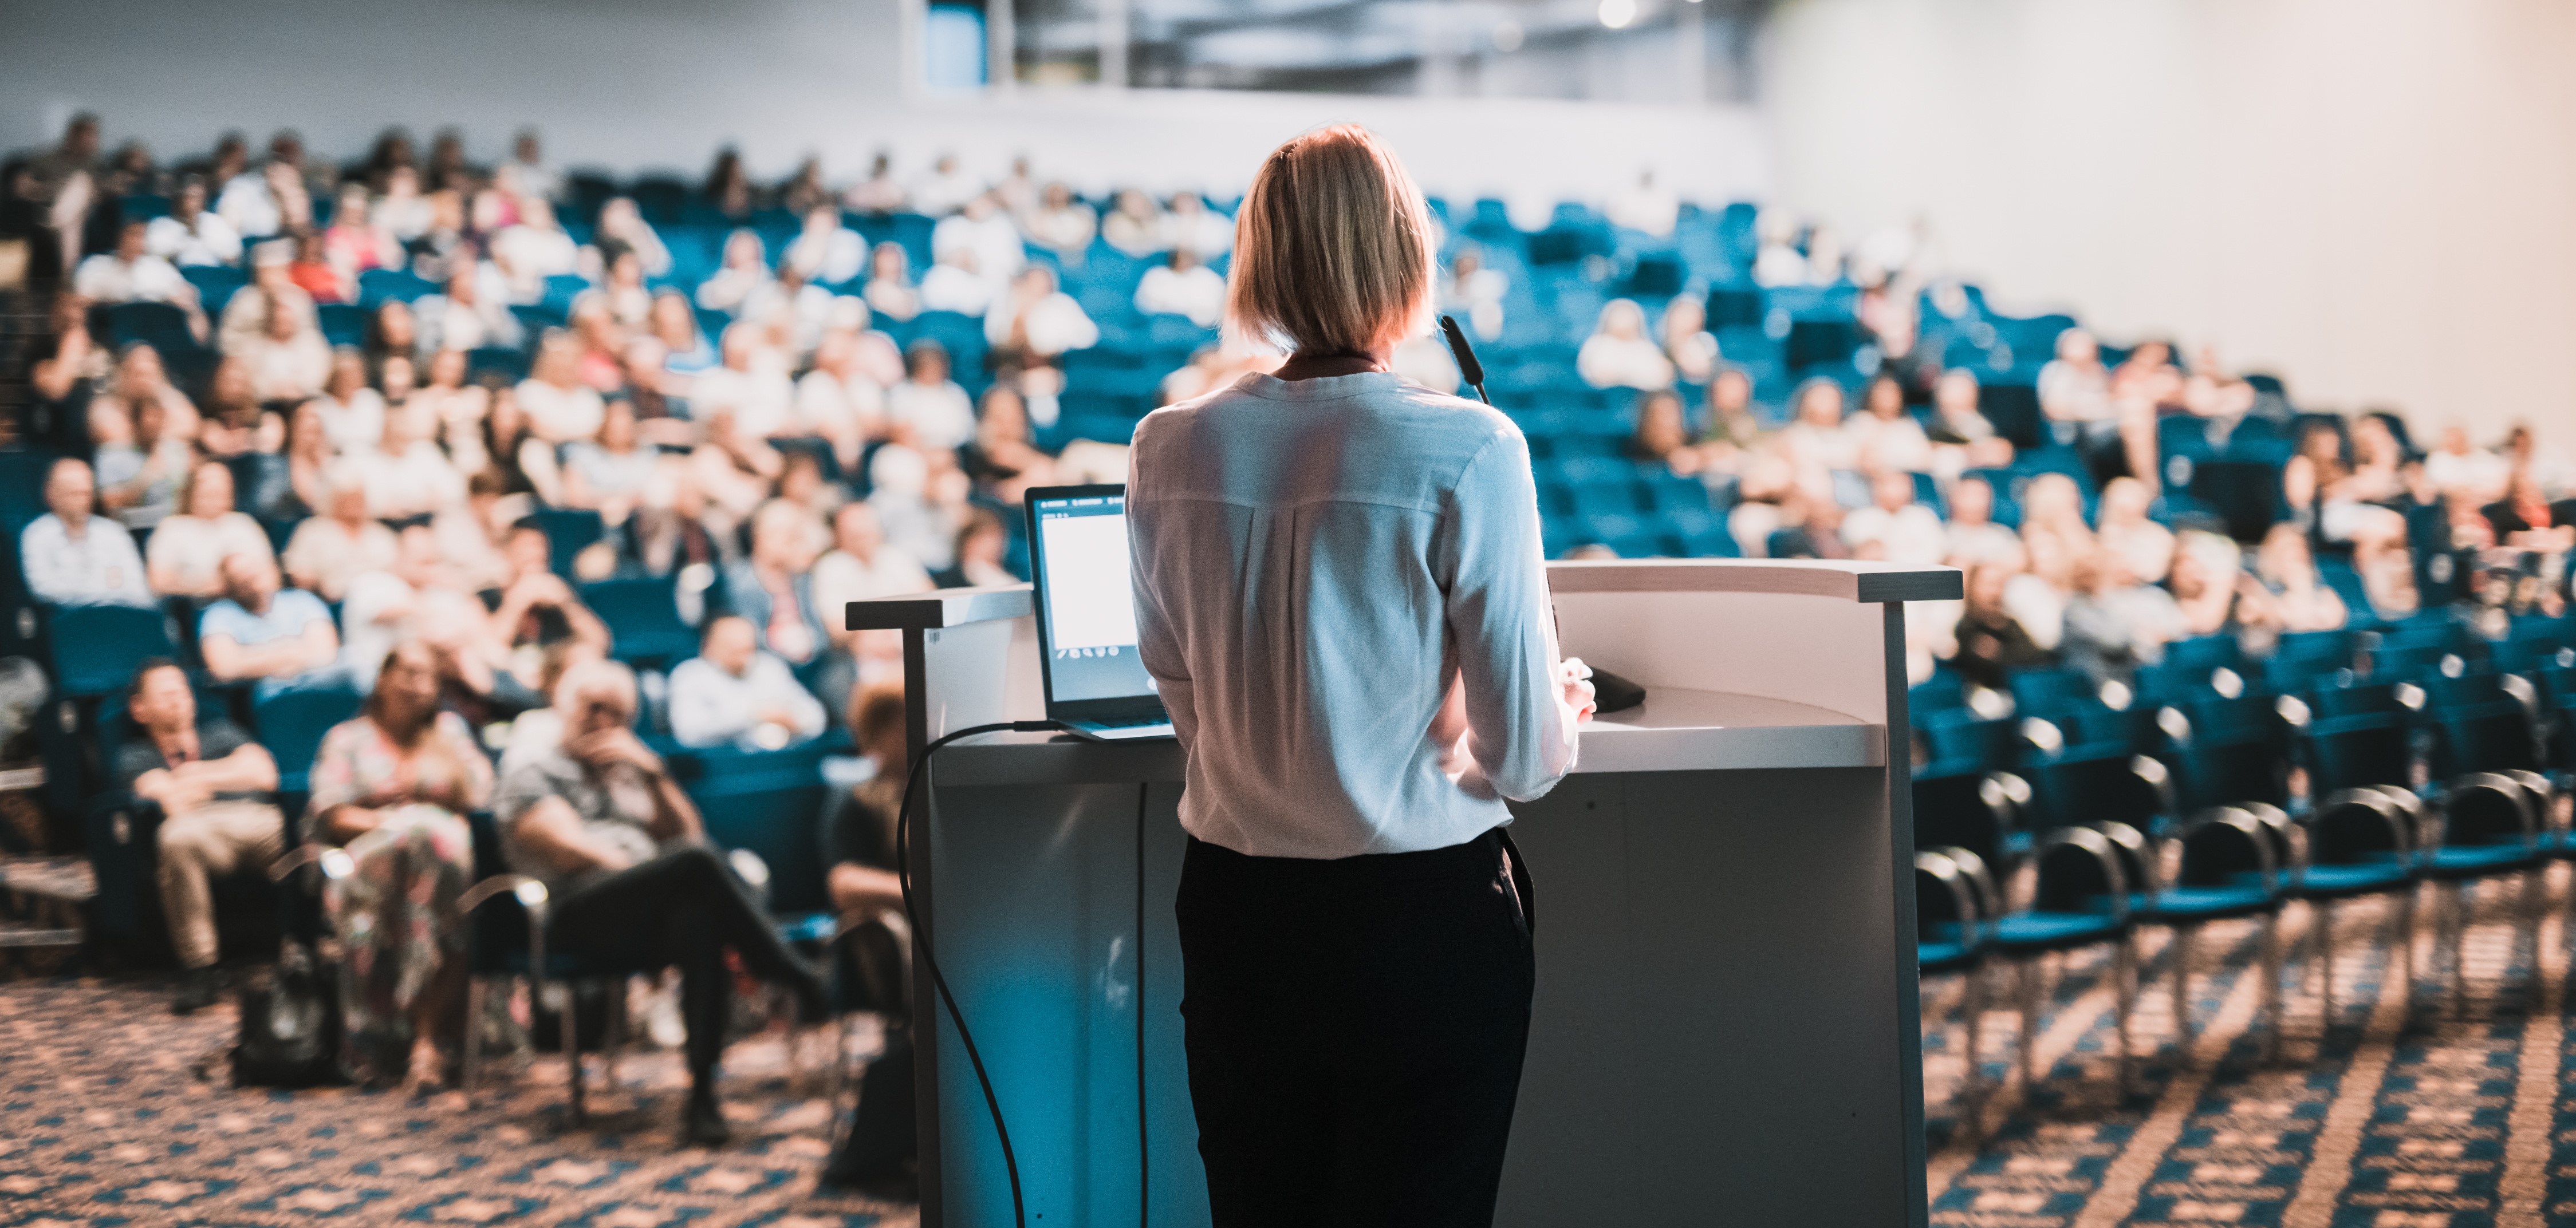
{"x":1332,"y":249}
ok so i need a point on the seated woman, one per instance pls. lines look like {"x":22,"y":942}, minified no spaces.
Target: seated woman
{"x":560,"y":407}
{"x":1002,"y":458}
{"x":1962,"y":437}
{"x":1687,"y":341}
{"x":2210,"y":588}
{"x":1663,"y":434}
{"x":1134,"y":225}
{"x":632,"y":879}
{"x":393,"y":787}
{"x":621,"y":289}
{"x":353,"y":243}
{"x":2053,"y":529}
{"x":2347,"y":502}
{"x":686,"y":349}
{"x":1034,"y":322}
{"x":2526,"y":519}
{"x":2295,"y":598}
{"x":890,"y":292}
{"x":183,"y":557}
{"x":745,"y":269}
{"x":1619,"y":354}
{"x":620,"y":222}
{"x":611,"y":475}
{"x":1183,"y":286}
{"x":1883,"y":435}
{"x":928,"y":403}
{"x":1992,"y":641}
{"x":141,"y":461}
{"x":2125,"y":528}
{"x":1061,"y":223}
{"x":1475,"y":292}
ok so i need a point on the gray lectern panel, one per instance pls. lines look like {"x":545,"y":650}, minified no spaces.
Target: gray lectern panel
{"x":1035,"y":924}
{"x":1716,"y":1037}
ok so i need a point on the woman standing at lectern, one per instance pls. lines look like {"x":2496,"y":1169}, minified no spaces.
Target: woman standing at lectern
{"x":1341,"y":596}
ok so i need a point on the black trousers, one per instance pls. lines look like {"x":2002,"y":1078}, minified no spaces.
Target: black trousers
{"x":1355,"y":1032}
{"x":682,"y":908}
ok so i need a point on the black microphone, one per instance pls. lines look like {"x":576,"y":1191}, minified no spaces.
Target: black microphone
{"x":1468,"y":368}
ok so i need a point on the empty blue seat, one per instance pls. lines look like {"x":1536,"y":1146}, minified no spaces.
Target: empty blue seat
{"x":643,"y":616}
{"x":377,"y":285}
{"x":569,"y":530}
{"x":770,"y":802}
{"x":291,"y":724}
{"x":96,"y":647}
{"x":343,"y":324}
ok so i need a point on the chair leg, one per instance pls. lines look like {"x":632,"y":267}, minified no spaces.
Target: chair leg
{"x":2527,"y":941}
{"x":476,"y":988}
{"x":616,"y":1040}
{"x":2325,"y":969}
{"x":572,"y":1052}
{"x":1971,"y":1096}
{"x":2124,"y":971}
{"x":2029,"y":1040}
{"x":2182,"y":936}
{"x":2271,"y":973}
{"x":2459,"y":914}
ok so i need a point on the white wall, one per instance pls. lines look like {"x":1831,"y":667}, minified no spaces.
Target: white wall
{"x":2375,"y":197}
{"x":637,"y":84}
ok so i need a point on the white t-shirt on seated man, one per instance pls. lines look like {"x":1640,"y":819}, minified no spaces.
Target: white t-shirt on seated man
{"x":733,"y":693}
{"x":72,"y":556}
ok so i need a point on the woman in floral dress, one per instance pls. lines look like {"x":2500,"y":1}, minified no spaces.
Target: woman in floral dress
{"x":393,"y":787}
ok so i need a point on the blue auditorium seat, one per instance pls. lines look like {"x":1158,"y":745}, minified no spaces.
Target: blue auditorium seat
{"x":770,"y":802}
{"x":96,"y":647}
{"x":291,"y":723}
{"x":569,"y":530}
{"x":343,"y":324}
{"x":643,"y":616}
{"x":377,"y":285}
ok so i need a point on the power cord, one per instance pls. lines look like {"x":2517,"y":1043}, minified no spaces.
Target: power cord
{"x":921,"y":935}
{"x":1144,"y":1180}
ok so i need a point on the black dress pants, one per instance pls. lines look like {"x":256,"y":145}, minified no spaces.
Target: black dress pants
{"x":1355,"y":1031}
{"x":682,"y":908}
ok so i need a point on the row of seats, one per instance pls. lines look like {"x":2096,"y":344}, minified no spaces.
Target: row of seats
{"x":2425,"y":754}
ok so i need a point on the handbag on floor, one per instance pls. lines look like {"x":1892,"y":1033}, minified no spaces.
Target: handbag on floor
{"x":290,"y":1024}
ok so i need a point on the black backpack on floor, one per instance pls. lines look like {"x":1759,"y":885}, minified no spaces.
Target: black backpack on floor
{"x":290,"y":1024}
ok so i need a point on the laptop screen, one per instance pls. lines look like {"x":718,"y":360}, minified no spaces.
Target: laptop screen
{"x":1090,"y":623}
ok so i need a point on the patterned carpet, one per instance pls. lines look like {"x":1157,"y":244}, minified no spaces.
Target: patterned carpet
{"x":2466,"y":1119}
{"x":2460,"y":1121}
{"x":104,"y":1120}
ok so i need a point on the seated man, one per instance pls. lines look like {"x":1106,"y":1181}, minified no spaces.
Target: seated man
{"x":217,"y":792}
{"x":344,"y":542}
{"x":72,"y":557}
{"x":132,"y":274}
{"x":633,"y":881}
{"x":282,"y":638}
{"x":733,"y":692}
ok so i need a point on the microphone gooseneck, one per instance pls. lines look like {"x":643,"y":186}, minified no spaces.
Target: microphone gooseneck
{"x":1469,"y":369}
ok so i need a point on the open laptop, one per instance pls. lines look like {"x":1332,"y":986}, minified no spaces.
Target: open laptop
{"x":1096,"y":683}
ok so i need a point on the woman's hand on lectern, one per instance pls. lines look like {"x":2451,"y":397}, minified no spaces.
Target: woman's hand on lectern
{"x":1574,"y":682}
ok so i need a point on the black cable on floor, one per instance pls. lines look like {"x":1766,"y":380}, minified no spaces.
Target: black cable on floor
{"x":1144,"y":1182}
{"x":921,"y":936}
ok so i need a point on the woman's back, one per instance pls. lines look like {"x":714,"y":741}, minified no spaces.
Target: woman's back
{"x":1318,"y":558}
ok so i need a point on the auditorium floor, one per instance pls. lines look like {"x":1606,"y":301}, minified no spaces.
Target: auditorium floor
{"x":104,"y":1121}
{"x":2462,"y":1121}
